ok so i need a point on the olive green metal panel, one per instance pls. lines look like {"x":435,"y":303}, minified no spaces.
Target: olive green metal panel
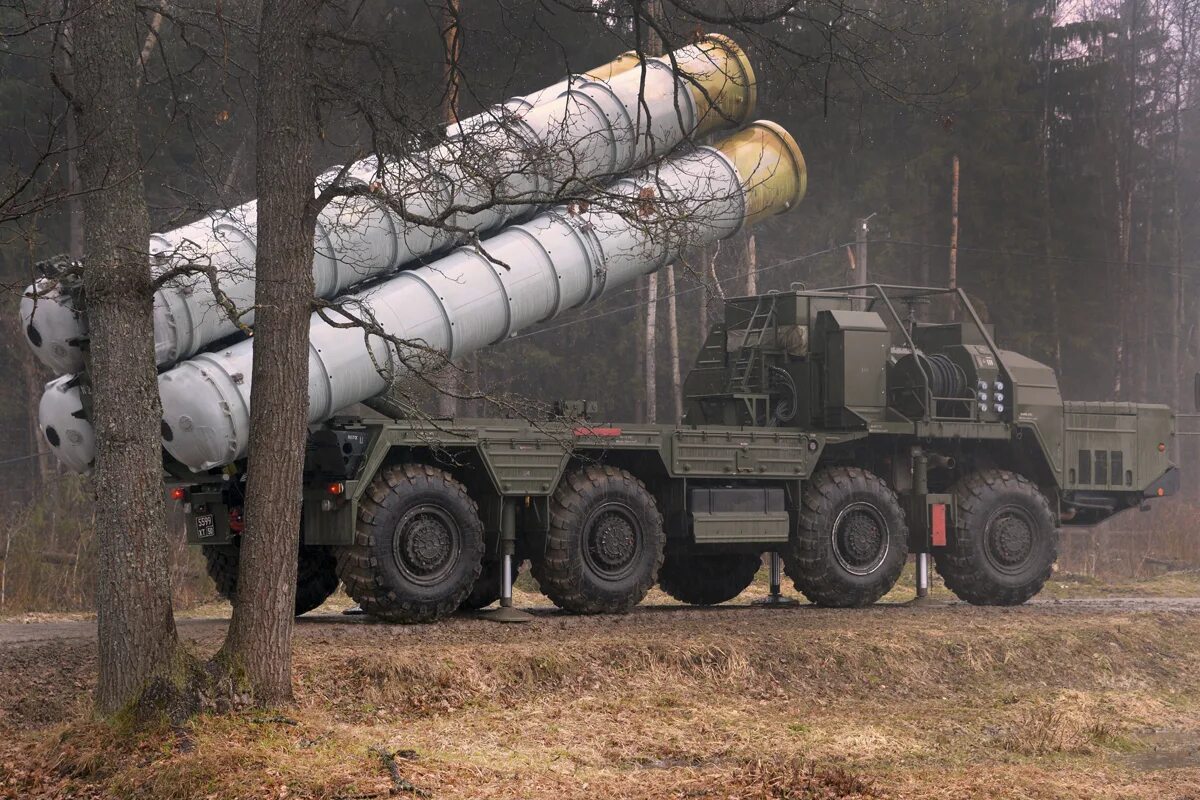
{"x":1115,"y":446}
{"x":1037,"y":406}
{"x":854,"y":346}
{"x":949,"y":429}
{"x":524,"y":465}
{"x":716,"y":527}
{"x":766,"y":453}
{"x":1156,"y":433}
{"x":332,"y":525}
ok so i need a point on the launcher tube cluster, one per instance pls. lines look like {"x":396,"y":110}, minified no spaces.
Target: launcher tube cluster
{"x":528,"y":273}
{"x":566,"y":257}
{"x":496,"y":167}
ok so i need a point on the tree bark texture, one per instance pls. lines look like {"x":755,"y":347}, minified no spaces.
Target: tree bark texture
{"x":673,"y":345}
{"x":650,"y":360}
{"x":136,"y":628}
{"x":453,"y":382}
{"x":258,"y":647}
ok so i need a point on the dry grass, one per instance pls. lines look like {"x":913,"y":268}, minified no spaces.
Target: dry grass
{"x":948,"y":703}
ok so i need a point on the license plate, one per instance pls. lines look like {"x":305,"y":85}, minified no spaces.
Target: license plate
{"x":205,"y":526}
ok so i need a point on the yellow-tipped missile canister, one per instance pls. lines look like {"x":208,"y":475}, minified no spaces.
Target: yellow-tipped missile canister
{"x":499,"y":167}
{"x":772,"y":165}
{"x":529,"y":273}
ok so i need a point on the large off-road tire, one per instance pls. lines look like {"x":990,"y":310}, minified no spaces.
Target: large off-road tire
{"x":221,"y":563}
{"x":418,"y":546}
{"x":707,"y":579}
{"x":487,"y":586}
{"x":605,"y":543}
{"x":1004,"y":542}
{"x":316,"y":577}
{"x":316,"y":573}
{"x":851,"y":541}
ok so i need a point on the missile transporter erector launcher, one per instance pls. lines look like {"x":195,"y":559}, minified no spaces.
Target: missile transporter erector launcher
{"x":831,"y":427}
{"x":835,"y":428}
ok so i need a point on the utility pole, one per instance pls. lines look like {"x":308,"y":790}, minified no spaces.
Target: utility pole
{"x":858,"y":260}
{"x":954,"y":236}
{"x":954,"y":225}
{"x":861,"y":228}
{"x":652,"y":46}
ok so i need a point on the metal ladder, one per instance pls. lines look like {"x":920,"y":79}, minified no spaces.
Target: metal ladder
{"x":761,"y":320}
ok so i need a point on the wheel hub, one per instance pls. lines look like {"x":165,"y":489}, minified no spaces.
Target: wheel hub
{"x":613,"y":541}
{"x":1010,"y":539}
{"x":425,"y":545}
{"x":860,"y":539}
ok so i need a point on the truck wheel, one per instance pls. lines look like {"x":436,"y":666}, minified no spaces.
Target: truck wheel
{"x":487,"y":586}
{"x":316,"y":573}
{"x":316,"y":577}
{"x":852,"y":541}
{"x":417,"y":547}
{"x":708,"y":579}
{"x":605,"y":543}
{"x":1004,"y":542}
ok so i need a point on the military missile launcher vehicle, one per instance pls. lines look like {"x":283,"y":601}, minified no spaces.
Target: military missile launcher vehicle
{"x":842,"y":429}
{"x":830,"y":426}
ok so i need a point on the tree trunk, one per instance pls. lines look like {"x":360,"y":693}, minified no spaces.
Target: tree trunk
{"x":1182,"y":70}
{"x":136,"y":627}
{"x":954,"y":224}
{"x":751,"y":265}
{"x":258,"y":647}
{"x":653,"y":47}
{"x":35,"y":384}
{"x":71,"y":166}
{"x":673,"y":346}
{"x":650,"y":361}
{"x":453,"y":382}
{"x":1046,"y":203}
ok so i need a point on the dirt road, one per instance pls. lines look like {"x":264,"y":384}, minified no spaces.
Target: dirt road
{"x":42,"y":629}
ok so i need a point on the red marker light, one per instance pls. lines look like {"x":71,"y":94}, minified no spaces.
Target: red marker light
{"x":179,"y":493}
{"x":589,"y":431}
{"x":337,"y":488}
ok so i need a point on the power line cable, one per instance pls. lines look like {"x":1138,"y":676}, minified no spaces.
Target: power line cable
{"x":25,"y":458}
{"x":680,"y":292}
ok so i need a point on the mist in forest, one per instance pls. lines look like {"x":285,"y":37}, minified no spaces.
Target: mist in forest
{"x":1074,"y":128}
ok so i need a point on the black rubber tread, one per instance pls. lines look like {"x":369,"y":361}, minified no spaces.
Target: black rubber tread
{"x":707,"y":579}
{"x":561,"y":571}
{"x":221,"y":563}
{"x":316,"y":577}
{"x":809,"y":559}
{"x":487,"y":586}
{"x":962,"y":564}
{"x":364,"y":574}
{"x":316,"y":573}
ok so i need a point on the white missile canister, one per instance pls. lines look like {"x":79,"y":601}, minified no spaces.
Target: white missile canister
{"x":501,"y":165}
{"x":528,"y":273}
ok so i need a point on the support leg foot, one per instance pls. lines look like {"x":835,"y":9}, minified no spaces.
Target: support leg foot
{"x":776,"y":599}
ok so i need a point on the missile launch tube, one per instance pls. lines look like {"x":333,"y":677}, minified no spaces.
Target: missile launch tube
{"x":476,"y":296}
{"x":503,"y":165}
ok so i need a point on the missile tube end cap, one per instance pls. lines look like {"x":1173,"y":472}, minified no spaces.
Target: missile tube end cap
{"x":771,"y":165}
{"x":53,"y":330}
{"x":68,"y":432}
{"x":722,"y":82}
{"x":204,"y":425}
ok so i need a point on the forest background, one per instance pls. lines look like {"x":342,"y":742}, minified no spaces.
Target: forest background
{"x":1074,"y":125}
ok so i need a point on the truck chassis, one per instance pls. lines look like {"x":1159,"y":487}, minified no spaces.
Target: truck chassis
{"x":823,"y":426}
